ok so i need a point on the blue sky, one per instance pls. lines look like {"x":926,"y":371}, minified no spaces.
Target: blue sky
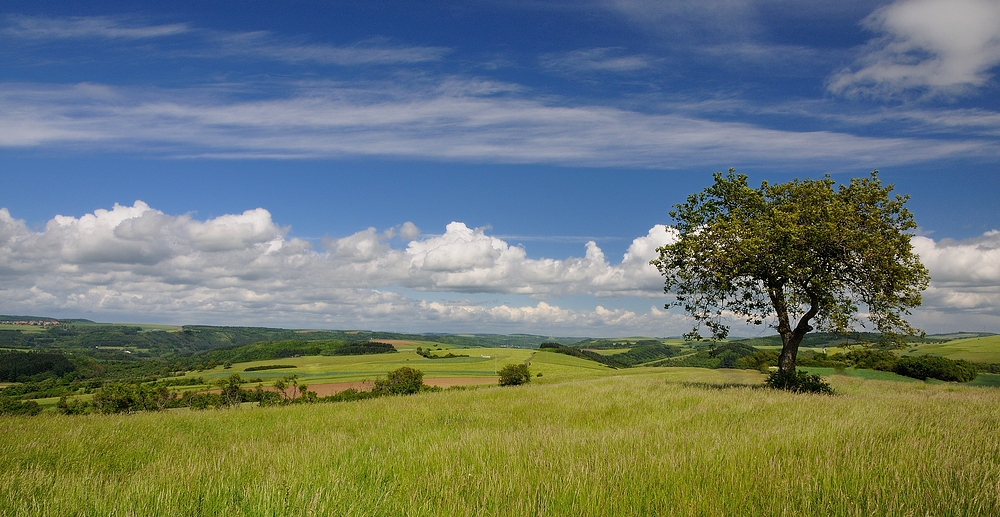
{"x":466,"y":166}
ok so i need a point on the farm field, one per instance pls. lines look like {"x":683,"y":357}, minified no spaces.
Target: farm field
{"x":671,"y":441}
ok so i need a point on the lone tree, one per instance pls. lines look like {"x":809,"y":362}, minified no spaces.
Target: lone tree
{"x":514,"y":375}
{"x":794,"y":255}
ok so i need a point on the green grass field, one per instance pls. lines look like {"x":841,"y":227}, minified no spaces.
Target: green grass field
{"x":330,"y":369}
{"x":978,"y":349}
{"x":27,"y":329}
{"x":672,"y":441}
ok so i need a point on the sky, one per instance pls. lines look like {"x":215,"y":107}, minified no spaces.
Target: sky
{"x":475,"y":166}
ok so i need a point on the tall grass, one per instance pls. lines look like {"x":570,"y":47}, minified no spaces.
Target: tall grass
{"x":639,"y":444}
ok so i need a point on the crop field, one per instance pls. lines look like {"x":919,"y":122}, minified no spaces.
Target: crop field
{"x":672,"y":441}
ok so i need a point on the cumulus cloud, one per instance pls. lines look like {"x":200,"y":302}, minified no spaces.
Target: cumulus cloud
{"x":965,"y":274}
{"x":135,"y":260}
{"x":940,"y":46}
{"x":243,"y":268}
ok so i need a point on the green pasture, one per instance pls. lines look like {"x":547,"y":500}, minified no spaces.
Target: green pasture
{"x":859,"y":373}
{"x":331,"y":369}
{"x":151,"y":327}
{"x":670,"y":441}
{"x":27,"y":329}
{"x":984,"y":349}
{"x":987,"y":379}
{"x":610,"y":351}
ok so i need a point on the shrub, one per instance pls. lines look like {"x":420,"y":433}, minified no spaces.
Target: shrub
{"x":934,"y":367}
{"x":401,"y":381}
{"x":124,"y":397}
{"x":798,"y":382}
{"x":10,"y":406}
{"x":873,"y":359}
{"x":514,"y":375}
{"x":73,"y":406}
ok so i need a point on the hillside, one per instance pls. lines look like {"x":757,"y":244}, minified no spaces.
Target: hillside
{"x":636,"y":443}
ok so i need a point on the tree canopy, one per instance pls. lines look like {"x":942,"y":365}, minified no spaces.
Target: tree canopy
{"x":794,"y":255}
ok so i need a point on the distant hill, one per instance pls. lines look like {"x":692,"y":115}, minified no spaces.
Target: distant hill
{"x":7,"y":317}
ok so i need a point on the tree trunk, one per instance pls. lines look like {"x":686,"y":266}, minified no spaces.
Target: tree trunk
{"x":790,"y":338}
{"x":789,"y":350}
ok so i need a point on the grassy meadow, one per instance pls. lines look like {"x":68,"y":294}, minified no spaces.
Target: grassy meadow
{"x":672,"y":441}
{"x":480,"y":363}
{"x":983,"y":349}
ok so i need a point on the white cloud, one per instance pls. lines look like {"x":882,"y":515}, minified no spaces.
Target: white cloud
{"x":698,"y":21}
{"x":264,"y":45}
{"x":941,"y":46}
{"x":233,"y":232}
{"x":39,"y":28}
{"x":595,"y":60}
{"x":214,"y":44}
{"x":135,"y":262}
{"x":965,"y":275}
{"x":450,"y":121}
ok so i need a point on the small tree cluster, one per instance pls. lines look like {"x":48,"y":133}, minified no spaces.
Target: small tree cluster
{"x":941,"y":368}
{"x":124,"y":397}
{"x":514,"y":375}
{"x":401,"y":381}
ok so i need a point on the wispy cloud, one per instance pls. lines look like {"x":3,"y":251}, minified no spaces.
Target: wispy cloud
{"x":106,"y":27}
{"x":264,"y":45}
{"x":454,"y":120}
{"x":935,"y":46}
{"x":604,"y":60}
{"x":207,"y":43}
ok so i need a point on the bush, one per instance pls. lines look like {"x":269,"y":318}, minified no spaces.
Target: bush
{"x":10,"y":406}
{"x":401,"y":381}
{"x":934,"y":367}
{"x":124,"y":397}
{"x":73,"y":406}
{"x":798,"y":382}
{"x":514,"y":375}
{"x":873,"y":359}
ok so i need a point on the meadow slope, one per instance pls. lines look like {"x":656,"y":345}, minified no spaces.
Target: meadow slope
{"x":641,"y":442}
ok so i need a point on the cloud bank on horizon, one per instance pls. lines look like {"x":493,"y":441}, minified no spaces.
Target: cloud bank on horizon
{"x":134,"y":261}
